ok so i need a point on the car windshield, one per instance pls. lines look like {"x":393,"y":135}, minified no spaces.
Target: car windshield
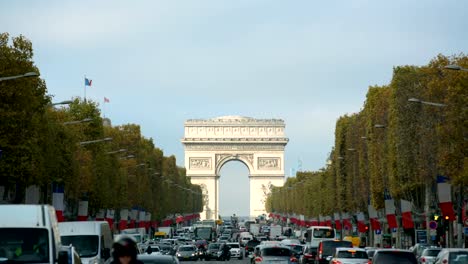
{"x":431,"y":252}
{"x":352,"y":254}
{"x":86,"y":246}
{"x":296,"y":248}
{"x":233,"y":245}
{"x":276,"y":252}
{"x":324,"y":233}
{"x":24,"y":245}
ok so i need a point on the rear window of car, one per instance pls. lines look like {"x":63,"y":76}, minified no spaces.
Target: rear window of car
{"x":214,"y":246}
{"x":276,"y":252}
{"x":353,"y":254}
{"x":431,"y":252}
{"x":186,"y":248}
{"x":329,"y":247}
{"x":311,"y":250}
{"x":458,"y":257}
{"x":391,"y":257}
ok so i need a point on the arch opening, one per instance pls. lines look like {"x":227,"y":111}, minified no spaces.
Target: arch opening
{"x":234,"y":192}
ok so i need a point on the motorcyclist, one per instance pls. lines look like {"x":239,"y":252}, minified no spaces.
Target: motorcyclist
{"x":226,"y":254}
{"x":125,"y":251}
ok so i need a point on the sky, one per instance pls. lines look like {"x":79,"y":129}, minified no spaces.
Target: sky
{"x":162,"y":62}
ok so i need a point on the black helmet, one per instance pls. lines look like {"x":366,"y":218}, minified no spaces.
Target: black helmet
{"x":125,"y":246}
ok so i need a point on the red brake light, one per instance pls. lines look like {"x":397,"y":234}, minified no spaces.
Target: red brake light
{"x":336,"y":262}
{"x":423,"y":259}
{"x":307,"y":255}
{"x":293,"y":259}
{"x":445,"y":261}
{"x":258,"y":259}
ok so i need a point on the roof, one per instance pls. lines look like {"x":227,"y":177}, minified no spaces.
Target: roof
{"x":24,"y":215}
{"x":81,"y":227}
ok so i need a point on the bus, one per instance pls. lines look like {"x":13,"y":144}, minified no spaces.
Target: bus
{"x":315,"y":234}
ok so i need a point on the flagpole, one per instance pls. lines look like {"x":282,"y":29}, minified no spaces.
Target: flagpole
{"x":104,"y":108}
{"x":84,"y":88}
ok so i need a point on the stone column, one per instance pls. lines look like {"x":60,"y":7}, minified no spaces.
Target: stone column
{"x":210,"y":187}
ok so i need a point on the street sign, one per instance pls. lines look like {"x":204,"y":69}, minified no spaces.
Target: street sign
{"x":378,"y":232}
{"x":433,"y":225}
{"x":394,"y":230}
{"x":433,"y":232}
{"x":466,"y":230}
{"x":421,"y":236}
{"x":465,"y":221}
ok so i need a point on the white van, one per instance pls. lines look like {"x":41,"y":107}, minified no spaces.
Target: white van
{"x":92,"y":239}
{"x":30,"y":234}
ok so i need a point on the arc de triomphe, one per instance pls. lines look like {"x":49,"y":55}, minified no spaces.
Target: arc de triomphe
{"x":258,"y":143}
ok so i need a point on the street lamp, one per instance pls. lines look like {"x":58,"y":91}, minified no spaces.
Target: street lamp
{"x":416,"y":100}
{"x":62,"y":103}
{"x":117,"y":151}
{"x":95,"y":141}
{"x":455,"y":67}
{"x":78,"y":121}
{"x":26,"y":75}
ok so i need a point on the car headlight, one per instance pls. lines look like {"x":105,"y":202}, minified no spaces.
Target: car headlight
{"x":193,"y":255}
{"x":178,"y":254}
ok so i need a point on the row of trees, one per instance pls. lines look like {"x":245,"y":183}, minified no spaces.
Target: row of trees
{"x":407,"y":133}
{"x":40,"y":146}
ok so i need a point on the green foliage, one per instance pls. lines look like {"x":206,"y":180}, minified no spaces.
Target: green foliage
{"x":411,"y":144}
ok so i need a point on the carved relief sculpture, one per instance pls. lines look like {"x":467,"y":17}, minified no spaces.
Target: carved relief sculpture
{"x":200,"y":163}
{"x":269,"y":163}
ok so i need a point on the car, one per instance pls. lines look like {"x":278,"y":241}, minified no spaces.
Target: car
{"x":157,"y":259}
{"x":212,"y":251}
{"x":308,"y":255}
{"x":349,"y":255}
{"x":223,"y":239}
{"x":153,"y":250}
{"x":188,"y":252}
{"x":452,"y":255}
{"x":275,"y":254}
{"x":385,"y":256}
{"x":429,"y":255}
{"x":370,"y":252}
{"x":418,"y":248}
{"x":166,"y":249}
{"x":236,"y":250}
{"x":296,"y":248}
{"x":326,"y":248}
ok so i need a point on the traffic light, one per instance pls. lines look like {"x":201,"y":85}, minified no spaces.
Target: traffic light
{"x":447,"y":217}
{"x":436,"y":217}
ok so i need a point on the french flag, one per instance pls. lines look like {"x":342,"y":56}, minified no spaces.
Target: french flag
{"x":57,"y":201}
{"x":361,"y":221}
{"x":373,"y":218}
{"x":390,"y":210}
{"x":110,"y":217}
{"x":82,"y":210}
{"x":346,"y":222}
{"x":100,"y":216}
{"x":445,"y":197}
{"x":123,"y":219}
{"x":336,"y":216}
{"x":406,"y":217}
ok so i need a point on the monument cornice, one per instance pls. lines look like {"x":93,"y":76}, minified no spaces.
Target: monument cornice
{"x":268,"y":140}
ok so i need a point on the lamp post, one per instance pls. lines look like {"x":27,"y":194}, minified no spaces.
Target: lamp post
{"x":455,"y":67}
{"x":66,"y":102}
{"x":78,"y":121}
{"x":25,"y":75}
{"x":415,"y":100}
{"x":95,"y":141}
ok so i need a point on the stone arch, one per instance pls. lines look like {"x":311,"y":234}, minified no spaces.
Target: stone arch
{"x":246,"y":159}
{"x":258,"y":143}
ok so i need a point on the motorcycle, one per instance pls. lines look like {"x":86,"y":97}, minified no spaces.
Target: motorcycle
{"x":224,"y":255}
